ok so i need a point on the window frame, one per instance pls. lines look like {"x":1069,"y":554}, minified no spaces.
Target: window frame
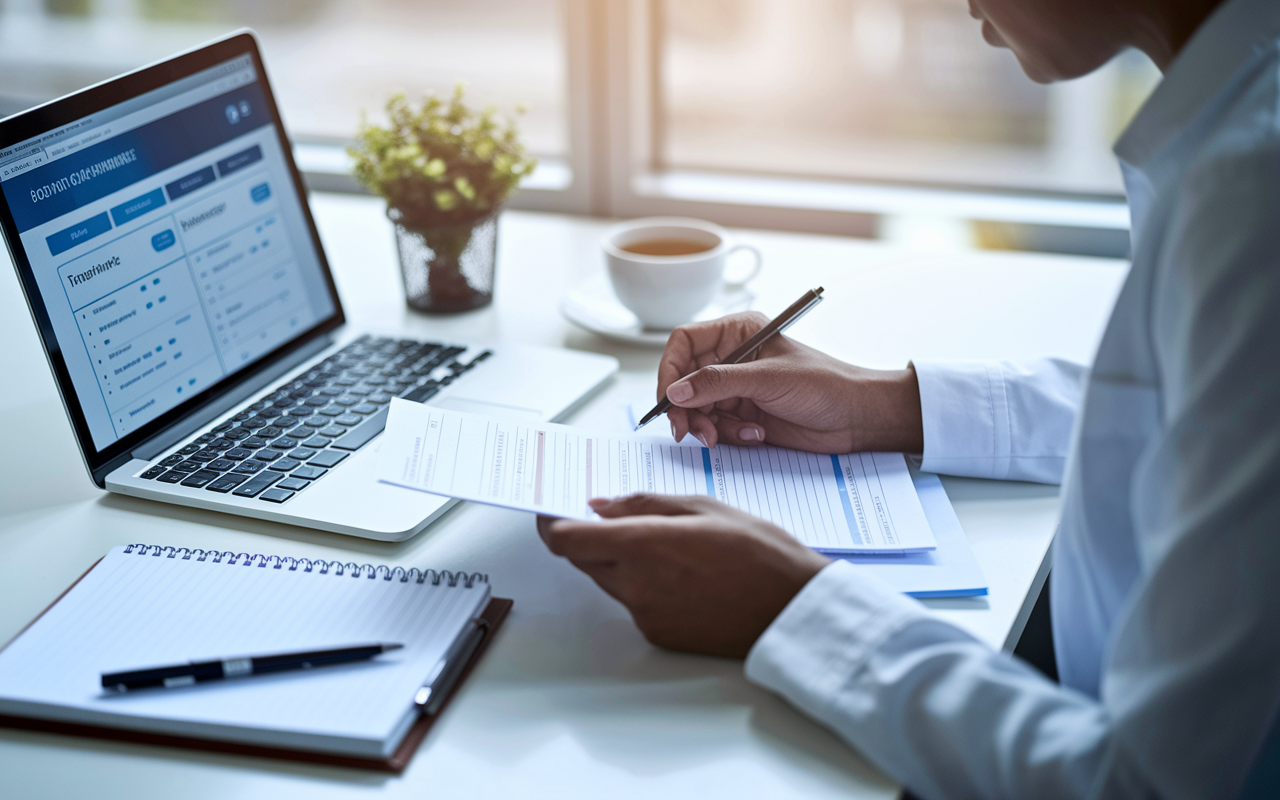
{"x":613,"y":116}
{"x":564,"y":184}
{"x":639,"y":186}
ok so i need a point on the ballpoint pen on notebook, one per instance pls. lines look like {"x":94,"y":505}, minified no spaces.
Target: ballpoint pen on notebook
{"x":450,"y":667}
{"x":199,"y":671}
{"x":777,"y":325}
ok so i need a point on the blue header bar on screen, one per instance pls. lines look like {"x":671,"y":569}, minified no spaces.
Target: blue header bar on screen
{"x":62,"y":186}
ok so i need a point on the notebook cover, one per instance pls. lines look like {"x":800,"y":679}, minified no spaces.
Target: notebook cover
{"x":494,"y":614}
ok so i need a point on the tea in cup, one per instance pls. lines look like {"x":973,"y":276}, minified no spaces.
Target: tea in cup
{"x":667,"y":269}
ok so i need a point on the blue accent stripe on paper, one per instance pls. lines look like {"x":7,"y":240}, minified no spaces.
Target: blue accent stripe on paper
{"x":975,"y":592}
{"x":843,"y":489}
{"x":706,"y":465}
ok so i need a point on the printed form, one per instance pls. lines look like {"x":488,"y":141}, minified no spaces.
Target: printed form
{"x":857,"y":503}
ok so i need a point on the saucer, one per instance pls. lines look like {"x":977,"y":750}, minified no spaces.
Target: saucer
{"x":593,"y":306}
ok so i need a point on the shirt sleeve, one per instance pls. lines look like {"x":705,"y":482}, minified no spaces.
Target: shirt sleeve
{"x":999,"y":419}
{"x":927,"y":702}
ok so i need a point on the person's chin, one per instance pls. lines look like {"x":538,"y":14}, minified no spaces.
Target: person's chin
{"x":991,"y":35}
{"x":1039,"y":64}
{"x":1032,"y":67}
{"x":1050,"y":72}
{"x":1037,"y":72}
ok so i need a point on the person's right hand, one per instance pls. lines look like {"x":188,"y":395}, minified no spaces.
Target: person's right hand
{"x":786,"y":394}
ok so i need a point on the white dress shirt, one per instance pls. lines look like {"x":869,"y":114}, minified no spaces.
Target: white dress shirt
{"x":1166,"y":565}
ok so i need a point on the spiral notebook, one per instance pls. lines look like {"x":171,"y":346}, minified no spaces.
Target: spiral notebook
{"x":147,"y":605}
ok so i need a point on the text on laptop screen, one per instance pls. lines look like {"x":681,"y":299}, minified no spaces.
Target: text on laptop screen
{"x":167,"y":242}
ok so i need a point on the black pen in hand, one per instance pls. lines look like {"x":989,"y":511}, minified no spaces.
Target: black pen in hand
{"x":201,"y":671}
{"x":777,"y":325}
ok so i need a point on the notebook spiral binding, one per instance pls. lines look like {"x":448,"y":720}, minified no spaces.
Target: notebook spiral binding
{"x":319,"y":566}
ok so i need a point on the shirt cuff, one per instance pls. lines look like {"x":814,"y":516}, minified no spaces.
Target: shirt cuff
{"x":826,"y":633}
{"x":965,"y":411}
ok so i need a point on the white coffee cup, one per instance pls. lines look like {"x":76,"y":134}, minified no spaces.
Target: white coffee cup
{"x":662,"y":290}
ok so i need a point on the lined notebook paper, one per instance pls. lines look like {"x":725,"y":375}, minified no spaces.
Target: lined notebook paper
{"x":855,"y":503}
{"x":135,"y":609}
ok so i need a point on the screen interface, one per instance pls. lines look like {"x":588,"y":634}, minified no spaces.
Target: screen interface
{"x":168,"y":244}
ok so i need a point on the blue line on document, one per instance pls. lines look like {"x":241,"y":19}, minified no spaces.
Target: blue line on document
{"x":843,"y":489}
{"x":706,"y":465}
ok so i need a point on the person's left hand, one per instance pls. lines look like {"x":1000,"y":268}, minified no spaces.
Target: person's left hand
{"x":695,"y":574}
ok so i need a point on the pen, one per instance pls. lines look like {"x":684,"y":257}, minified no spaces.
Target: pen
{"x":449,"y":668}
{"x":779,"y":324}
{"x":199,"y":671}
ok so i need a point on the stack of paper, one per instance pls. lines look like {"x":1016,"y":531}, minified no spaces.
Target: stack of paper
{"x":862,"y":506}
{"x":859,"y":503}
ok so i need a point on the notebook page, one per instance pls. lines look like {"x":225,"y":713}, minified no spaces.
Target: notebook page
{"x":133,"y":611}
{"x":857,"y":503}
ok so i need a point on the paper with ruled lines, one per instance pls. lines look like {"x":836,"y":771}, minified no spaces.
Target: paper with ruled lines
{"x":857,"y":503}
{"x":135,"y":611}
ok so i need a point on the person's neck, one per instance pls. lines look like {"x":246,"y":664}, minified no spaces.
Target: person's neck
{"x":1163,"y":27}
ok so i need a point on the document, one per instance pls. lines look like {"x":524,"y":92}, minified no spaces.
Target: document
{"x":951,"y":570}
{"x":856,"y":503}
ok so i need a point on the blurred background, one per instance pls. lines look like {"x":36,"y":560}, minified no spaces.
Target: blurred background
{"x":887,"y":118}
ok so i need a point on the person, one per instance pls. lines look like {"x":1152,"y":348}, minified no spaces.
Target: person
{"x":1164,"y":591}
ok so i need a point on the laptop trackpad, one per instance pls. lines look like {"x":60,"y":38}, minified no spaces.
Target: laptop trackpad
{"x":488,"y":409}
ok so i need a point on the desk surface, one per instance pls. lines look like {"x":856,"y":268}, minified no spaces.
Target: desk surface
{"x":571,"y":701}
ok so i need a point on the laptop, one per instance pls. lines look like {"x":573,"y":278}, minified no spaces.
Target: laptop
{"x":161,"y":234}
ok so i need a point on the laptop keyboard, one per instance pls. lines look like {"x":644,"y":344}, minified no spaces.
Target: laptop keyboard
{"x":289,"y":439}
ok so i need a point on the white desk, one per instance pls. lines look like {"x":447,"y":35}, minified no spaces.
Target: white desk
{"x":570,"y":701}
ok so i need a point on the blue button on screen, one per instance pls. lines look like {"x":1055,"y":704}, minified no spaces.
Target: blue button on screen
{"x":162,"y":241}
{"x":137,"y":207}
{"x":65,"y":239}
{"x":190,"y":183}
{"x":260,"y":192}
{"x":240,"y":160}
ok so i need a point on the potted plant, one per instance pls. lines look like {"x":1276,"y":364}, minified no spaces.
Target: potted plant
{"x":445,"y":171}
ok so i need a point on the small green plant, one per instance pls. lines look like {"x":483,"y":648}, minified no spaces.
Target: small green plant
{"x":445,"y":170}
{"x":440,"y":164}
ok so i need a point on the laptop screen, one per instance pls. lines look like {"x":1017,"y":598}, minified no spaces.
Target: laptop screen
{"x":167,"y":242}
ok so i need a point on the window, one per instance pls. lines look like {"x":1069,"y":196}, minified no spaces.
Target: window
{"x":883,"y":90}
{"x":328,"y":58}
{"x":843,"y":116}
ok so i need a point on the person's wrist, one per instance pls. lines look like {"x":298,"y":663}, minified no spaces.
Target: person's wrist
{"x":909,"y":418}
{"x":806,"y":567}
{"x":800,"y":567}
{"x":885,"y":409}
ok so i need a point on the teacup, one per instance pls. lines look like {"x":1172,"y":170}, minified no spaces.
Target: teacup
{"x":667,"y":269}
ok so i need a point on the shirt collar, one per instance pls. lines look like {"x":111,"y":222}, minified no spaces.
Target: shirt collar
{"x":1234,"y":34}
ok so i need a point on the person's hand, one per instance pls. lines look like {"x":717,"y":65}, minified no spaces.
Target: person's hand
{"x":785,"y":394}
{"x":695,"y":574}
